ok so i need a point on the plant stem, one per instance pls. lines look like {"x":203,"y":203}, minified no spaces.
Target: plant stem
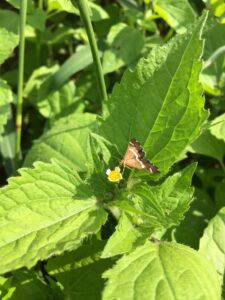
{"x":23,"y":13}
{"x":84,"y":12}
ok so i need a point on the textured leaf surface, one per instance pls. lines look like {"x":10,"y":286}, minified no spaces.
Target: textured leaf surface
{"x":80,"y":271}
{"x":66,"y":141}
{"x":120,"y":52}
{"x":155,"y":102}
{"x":160,"y":206}
{"x":178,"y":14}
{"x":5,"y":99}
{"x":8,"y":41}
{"x":162,"y":271}
{"x":212,"y":244}
{"x":45,"y":211}
{"x":126,"y":237}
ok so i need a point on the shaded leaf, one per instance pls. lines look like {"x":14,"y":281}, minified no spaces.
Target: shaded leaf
{"x":217,"y":127}
{"x":178,"y":14}
{"x":190,"y":230}
{"x":8,"y":41}
{"x":208,"y":145}
{"x":119,"y":52}
{"x":213,"y":72}
{"x":162,"y":271}
{"x":66,"y":141}
{"x":212,"y":244}
{"x":5,"y":99}
{"x":7,"y":145}
{"x":70,"y":268}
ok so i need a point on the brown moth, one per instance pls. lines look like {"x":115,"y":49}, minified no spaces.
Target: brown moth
{"x":135,"y":158}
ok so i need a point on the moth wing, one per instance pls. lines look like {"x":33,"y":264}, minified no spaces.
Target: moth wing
{"x":133,"y":163}
{"x":149,"y":166}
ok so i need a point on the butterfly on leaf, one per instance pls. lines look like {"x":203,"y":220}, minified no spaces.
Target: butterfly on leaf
{"x":135,"y":158}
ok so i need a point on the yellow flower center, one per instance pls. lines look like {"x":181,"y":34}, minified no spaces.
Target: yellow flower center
{"x":114,"y":176}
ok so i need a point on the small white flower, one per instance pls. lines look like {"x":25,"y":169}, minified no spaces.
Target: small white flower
{"x":115,"y":175}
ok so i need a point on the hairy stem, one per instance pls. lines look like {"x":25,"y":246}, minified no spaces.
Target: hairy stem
{"x":84,"y":12}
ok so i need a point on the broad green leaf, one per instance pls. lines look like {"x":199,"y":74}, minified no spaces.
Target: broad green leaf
{"x":56,"y":104}
{"x":207,"y":144}
{"x":70,"y":268}
{"x":190,"y":230}
{"x":8,"y":41}
{"x":212,"y":243}
{"x":9,"y":20}
{"x":162,"y":271}
{"x":96,"y":12}
{"x":217,"y":127}
{"x":66,"y":141}
{"x":161,"y":207}
{"x":155,"y":102}
{"x":26,"y":284}
{"x":45,"y":211}
{"x":212,"y":75}
{"x":37,"y":19}
{"x":178,"y":14}
{"x":220,"y":194}
{"x":119,"y":52}
{"x":77,"y":62}
{"x":5,"y":99}
{"x":7,"y":145}
{"x":126,"y":237}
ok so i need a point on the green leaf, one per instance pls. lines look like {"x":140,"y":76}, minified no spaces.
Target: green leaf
{"x":5,"y":99}
{"x":126,"y":237}
{"x":191,"y":229}
{"x":96,"y":12}
{"x":8,"y":41}
{"x":9,"y":20}
{"x":70,"y":268}
{"x":7,"y":145}
{"x":212,"y":243}
{"x":77,"y":62}
{"x":66,"y":141}
{"x":45,"y":211}
{"x":217,"y":127}
{"x":56,"y":104}
{"x":37,"y":19}
{"x":26,"y":284}
{"x":119,"y":52}
{"x":162,"y":271}
{"x":213,"y":72}
{"x":155,"y":102}
{"x":178,"y":14}
{"x":157,"y":207}
{"x":219,"y":194}
{"x":169,"y":201}
{"x":208,"y":145}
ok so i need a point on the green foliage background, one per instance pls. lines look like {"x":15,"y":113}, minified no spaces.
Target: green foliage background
{"x":66,"y":231}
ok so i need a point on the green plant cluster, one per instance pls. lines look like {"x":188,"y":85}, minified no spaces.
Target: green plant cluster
{"x":66,"y":230}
